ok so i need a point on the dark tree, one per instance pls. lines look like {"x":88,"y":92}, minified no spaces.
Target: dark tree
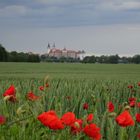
{"x":89,"y":59}
{"x":113,"y":59}
{"x":136,"y":59}
{"x":3,"y":54}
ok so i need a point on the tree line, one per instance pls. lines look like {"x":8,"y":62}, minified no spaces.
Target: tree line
{"x":103,"y":59}
{"x":112,"y":59}
{"x":14,"y":56}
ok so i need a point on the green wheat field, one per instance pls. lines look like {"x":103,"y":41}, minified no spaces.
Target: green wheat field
{"x":70,"y":87}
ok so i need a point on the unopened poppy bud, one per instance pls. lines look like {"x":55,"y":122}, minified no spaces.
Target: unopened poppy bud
{"x":92,"y":96}
{"x":6,"y":98}
{"x":77,"y":125}
{"x":125,"y":103}
{"x":127,"y":107}
{"x":20,"y":111}
{"x":46,"y":80}
{"x":112,"y":114}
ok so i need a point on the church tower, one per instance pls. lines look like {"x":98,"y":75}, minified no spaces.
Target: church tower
{"x":48,"y":48}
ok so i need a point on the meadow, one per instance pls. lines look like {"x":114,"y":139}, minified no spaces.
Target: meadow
{"x":103,"y":91}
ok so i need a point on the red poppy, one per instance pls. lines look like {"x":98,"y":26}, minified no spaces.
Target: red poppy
{"x":47,"y":85}
{"x":132,"y":99}
{"x":138,"y":117}
{"x":68,"y":118}
{"x":110,"y":107}
{"x":76,"y":127}
{"x":85,"y":106}
{"x":90,"y":118}
{"x":51,"y":120}
{"x":138,"y":83}
{"x":138,"y":135}
{"x":2,"y":119}
{"x":11,"y":92}
{"x":132,"y":102}
{"x":92,"y":131}
{"x":125,"y":119}
{"x":130,"y":86}
{"x":138,"y":104}
{"x":41,"y":88}
{"x":32,"y":97}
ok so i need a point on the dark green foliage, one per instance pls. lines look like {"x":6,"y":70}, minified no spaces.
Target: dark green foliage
{"x":136,"y":59}
{"x":45,"y":58}
{"x":89,"y":59}
{"x":17,"y":56}
{"x":3,"y":54}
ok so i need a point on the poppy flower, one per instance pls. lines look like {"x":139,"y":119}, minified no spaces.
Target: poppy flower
{"x":138,"y":83}
{"x":2,"y":119}
{"x":68,"y":118}
{"x":132,"y":102}
{"x":10,"y":93}
{"x":32,"y":97}
{"x":125,"y":119}
{"x":92,"y":131}
{"x":90,"y":118}
{"x":76,"y":127}
{"x":51,"y":120}
{"x":138,"y":117}
{"x":138,"y":104}
{"x":130,"y":86}
{"x":85,"y":106}
{"x":47,"y":85}
{"x":138,"y":135}
{"x":41,"y":88}
{"x":110,"y":107}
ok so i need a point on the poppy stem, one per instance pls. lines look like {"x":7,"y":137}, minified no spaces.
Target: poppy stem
{"x":11,"y":123}
{"x":123,"y":134}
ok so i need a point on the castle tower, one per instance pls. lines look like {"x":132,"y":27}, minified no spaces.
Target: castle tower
{"x":48,"y":48}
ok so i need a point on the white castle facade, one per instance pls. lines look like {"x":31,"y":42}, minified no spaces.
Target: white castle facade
{"x":58,"y":53}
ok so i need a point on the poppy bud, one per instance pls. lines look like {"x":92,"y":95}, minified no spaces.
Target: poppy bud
{"x":77,"y":125}
{"x":20,"y":111}
{"x":127,"y":107}
{"x":112,"y":114}
{"x":6,"y":98}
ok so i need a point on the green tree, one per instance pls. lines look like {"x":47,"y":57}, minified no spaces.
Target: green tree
{"x":33,"y":58}
{"x":136,"y":59}
{"x":113,"y":59}
{"x":3,"y":54}
{"x":89,"y":59}
{"x":103,"y":59}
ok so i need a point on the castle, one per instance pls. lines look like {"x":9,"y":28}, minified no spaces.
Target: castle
{"x":58,"y":53}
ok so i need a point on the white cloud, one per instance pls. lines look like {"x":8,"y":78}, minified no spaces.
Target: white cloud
{"x":13,"y":10}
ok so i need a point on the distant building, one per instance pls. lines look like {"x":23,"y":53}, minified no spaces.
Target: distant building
{"x":58,"y":53}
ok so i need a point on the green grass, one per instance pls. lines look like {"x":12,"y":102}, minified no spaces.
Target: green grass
{"x":65,"y":70}
{"x":95,"y":84}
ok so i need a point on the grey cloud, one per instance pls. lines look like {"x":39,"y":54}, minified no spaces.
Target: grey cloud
{"x":70,"y":12}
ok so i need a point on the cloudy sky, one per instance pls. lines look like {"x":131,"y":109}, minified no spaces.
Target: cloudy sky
{"x":96,"y":26}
